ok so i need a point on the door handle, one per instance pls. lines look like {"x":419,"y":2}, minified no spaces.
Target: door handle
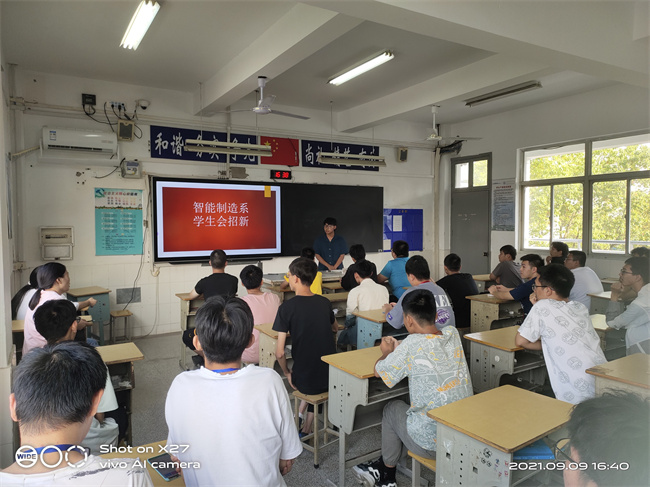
{"x":485,"y":254}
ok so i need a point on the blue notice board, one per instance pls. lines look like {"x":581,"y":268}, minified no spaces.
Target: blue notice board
{"x":401,"y":224}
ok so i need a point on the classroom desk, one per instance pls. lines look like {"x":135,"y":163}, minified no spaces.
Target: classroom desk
{"x":494,"y":353}
{"x":486,"y":308}
{"x":631,"y":374}
{"x":478,"y":435}
{"x":150,"y":450}
{"x":608,"y":281}
{"x":188,"y":311}
{"x":612,"y":341}
{"x":357,"y":397}
{"x":268,"y":344}
{"x":369,"y":327}
{"x":599,"y":302}
{"x":332,"y":286}
{"x":271,"y":283}
{"x":101,"y":312}
{"x":483,"y":281}
{"x":119,"y":360}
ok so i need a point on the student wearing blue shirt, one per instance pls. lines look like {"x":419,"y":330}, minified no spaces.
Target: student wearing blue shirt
{"x":393,"y":272}
{"x":530,"y":264}
{"x":330,"y":248}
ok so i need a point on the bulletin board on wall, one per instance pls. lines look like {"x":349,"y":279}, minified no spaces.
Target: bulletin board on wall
{"x":118,"y":221}
{"x":403,"y":224}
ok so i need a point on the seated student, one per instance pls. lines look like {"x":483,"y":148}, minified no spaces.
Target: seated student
{"x":531,"y":264}
{"x":264,"y":307}
{"x":435,"y":365}
{"x":329,"y":248}
{"x":216,"y":284}
{"x":640,"y":252}
{"x":458,"y":285}
{"x":357,"y":253}
{"x":558,"y":252}
{"x":57,"y":321}
{"x":237,"y":421}
{"x":317,"y":285}
{"x":635,"y":274}
{"x":393,"y":272}
{"x":55,"y":393}
{"x":563,"y":330}
{"x":419,"y":276}
{"x":53,"y":282}
{"x":368,"y":295}
{"x":586,"y":279}
{"x":507,"y":272}
{"x":20,"y":302}
{"x":310,"y":321}
{"x":609,"y":430}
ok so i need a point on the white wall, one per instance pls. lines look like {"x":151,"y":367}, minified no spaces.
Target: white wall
{"x":611,"y":110}
{"x":62,"y":194}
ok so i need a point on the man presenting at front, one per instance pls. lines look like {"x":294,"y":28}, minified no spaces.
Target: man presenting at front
{"x":330,"y":248}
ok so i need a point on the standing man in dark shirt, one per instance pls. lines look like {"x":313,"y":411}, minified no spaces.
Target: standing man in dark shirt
{"x":216,"y":284}
{"x":330,"y":248}
{"x":357,"y":253}
{"x":457,"y":286}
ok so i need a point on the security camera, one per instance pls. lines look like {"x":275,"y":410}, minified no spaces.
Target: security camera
{"x":144,"y":104}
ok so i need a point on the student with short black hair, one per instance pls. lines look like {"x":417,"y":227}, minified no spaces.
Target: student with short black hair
{"x":435,"y":365}
{"x":558,"y":253}
{"x":531,"y":264}
{"x":640,"y":252}
{"x":563,"y":330}
{"x":264,"y":307}
{"x":357,"y":253}
{"x":310,"y":321}
{"x":394,"y":271}
{"x":329,"y":248}
{"x":507,"y":272}
{"x":587,"y":281}
{"x":317,"y":284}
{"x":609,"y":434}
{"x":458,"y":285}
{"x":55,"y":391}
{"x":236,"y":420}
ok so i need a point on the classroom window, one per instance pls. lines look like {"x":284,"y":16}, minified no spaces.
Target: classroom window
{"x":462,"y":175}
{"x":591,"y":195}
{"x":480,"y":172}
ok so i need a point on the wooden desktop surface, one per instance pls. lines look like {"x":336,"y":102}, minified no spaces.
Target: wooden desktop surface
{"x":335,"y":297}
{"x":267,"y":329}
{"x":600,"y":323}
{"x":157,"y":480}
{"x":122,"y":352}
{"x":487,"y":298}
{"x":481,"y":277}
{"x":359,"y":363}
{"x":503,"y":338}
{"x":87,"y":291}
{"x":376,"y":315}
{"x":609,"y":280}
{"x":633,"y":370}
{"x":18,"y":326}
{"x":507,"y":418}
{"x":603,"y":295}
{"x":332,"y":286}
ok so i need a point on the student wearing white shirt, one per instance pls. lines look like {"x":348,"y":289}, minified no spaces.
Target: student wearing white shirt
{"x":587,"y":282}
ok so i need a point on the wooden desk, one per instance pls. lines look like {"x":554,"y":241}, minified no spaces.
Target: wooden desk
{"x":631,"y":374}
{"x":268,"y":344}
{"x":494,"y":353}
{"x":188,"y":312}
{"x":612,"y":341}
{"x":486,"y":308}
{"x":599,"y":302}
{"x":101,"y":312}
{"x":150,"y":450}
{"x":332,"y":286}
{"x":608,"y":281}
{"x":357,"y":397}
{"x":483,"y":281}
{"x":478,"y":435}
{"x":369,"y":327}
{"x":119,"y":360}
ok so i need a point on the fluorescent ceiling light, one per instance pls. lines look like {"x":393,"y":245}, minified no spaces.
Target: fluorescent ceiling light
{"x":362,"y":68}
{"x":216,"y":143}
{"x":216,"y":147}
{"x":139,"y":25}
{"x":511,"y":90}
{"x":351,"y":159}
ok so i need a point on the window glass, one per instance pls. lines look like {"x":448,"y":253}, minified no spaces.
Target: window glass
{"x":537,"y":209}
{"x":567,"y":214}
{"x":624,"y":154}
{"x":462,"y":175}
{"x":609,"y":216}
{"x":563,"y":162}
{"x":480,"y":173}
{"x":640,"y":213}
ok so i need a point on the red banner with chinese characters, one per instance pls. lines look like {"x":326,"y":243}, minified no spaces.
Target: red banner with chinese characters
{"x":286,"y":152}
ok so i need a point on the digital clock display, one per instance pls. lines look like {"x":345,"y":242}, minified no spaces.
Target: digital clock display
{"x":285,"y":175}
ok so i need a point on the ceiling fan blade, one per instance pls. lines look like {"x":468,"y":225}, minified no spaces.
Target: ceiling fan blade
{"x":285,"y":114}
{"x":233,"y":111}
{"x":458,"y":137}
{"x":267,"y":101}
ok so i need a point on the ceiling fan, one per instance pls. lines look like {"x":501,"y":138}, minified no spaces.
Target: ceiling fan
{"x":264,"y":105}
{"x":436,"y":137}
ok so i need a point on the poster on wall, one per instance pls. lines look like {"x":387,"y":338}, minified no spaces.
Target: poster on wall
{"x":118,"y":221}
{"x":403,"y":224}
{"x":503,"y":205}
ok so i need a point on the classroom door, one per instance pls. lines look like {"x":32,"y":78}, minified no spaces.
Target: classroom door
{"x":470,"y":212}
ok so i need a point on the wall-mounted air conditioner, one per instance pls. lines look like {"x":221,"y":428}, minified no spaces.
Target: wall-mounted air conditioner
{"x":76,"y":145}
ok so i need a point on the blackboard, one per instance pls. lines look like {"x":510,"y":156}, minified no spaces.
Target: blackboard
{"x":358,"y":210}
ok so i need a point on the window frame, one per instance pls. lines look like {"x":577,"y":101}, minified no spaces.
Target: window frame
{"x":587,"y":180}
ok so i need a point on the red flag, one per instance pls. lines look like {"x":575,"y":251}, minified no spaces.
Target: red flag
{"x":285,"y":151}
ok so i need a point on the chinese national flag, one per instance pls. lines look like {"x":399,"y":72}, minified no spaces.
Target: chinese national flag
{"x":285,"y":151}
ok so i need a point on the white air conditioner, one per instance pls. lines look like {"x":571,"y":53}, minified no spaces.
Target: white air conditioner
{"x":79,"y":140}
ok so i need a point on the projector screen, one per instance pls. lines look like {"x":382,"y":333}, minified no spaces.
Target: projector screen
{"x":192,"y":218}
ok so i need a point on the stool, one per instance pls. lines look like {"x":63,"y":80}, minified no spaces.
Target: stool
{"x":123,"y":313}
{"x":417,"y":461}
{"x":315,"y":400}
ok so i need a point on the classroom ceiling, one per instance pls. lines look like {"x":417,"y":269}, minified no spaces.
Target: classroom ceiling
{"x":445,"y":52}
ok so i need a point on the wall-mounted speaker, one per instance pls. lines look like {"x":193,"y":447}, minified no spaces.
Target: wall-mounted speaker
{"x":402,"y":153}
